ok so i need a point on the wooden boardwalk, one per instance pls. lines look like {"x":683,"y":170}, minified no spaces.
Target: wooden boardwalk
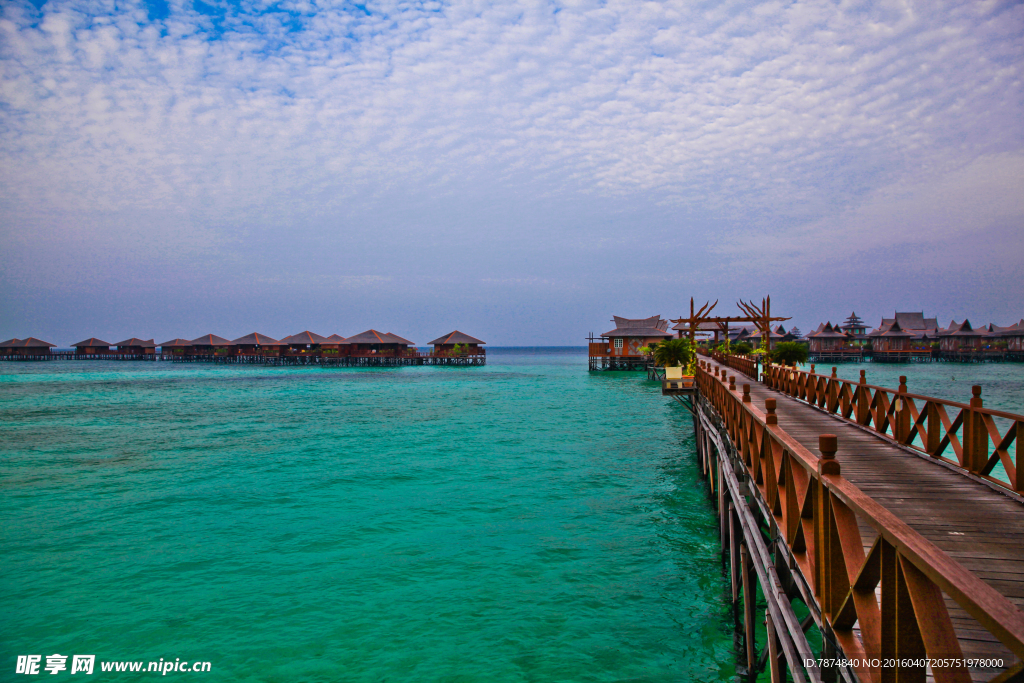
{"x":975,"y":522}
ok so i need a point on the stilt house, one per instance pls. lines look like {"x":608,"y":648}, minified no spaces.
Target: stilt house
{"x":446,"y":344}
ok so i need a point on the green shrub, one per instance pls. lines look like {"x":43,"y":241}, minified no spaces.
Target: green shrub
{"x":787,"y":353}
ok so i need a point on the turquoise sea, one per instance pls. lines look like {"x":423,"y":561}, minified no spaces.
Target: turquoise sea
{"x":525,"y":521}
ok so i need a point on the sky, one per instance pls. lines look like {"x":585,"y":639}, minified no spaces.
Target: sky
{"x":520,"y":171}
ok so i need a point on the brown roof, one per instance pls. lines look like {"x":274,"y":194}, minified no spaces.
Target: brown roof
{"x":336,"y":339}
{"x":963,"y":329}
{"x":255,"y":339}
{"x":457,"y":337}
{"x":911,"y":321}
{"x":306,"y":337}
{"x":30,"y":343}
{"x":375,"y":337}
{"x":134,"y":341}
{"x":395,"y":339}
{"x":210,"y":340}
{"x":893,"y":330}
{"x":176,"y":342}
{"x":92,"y":341}
{"x":639,"y":327}
{"x":826,"y":331}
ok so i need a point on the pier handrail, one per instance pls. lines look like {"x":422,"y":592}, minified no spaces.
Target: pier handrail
{"x":816,"y":511}
{"x":745,"y":364}
{"x":927,"y":424}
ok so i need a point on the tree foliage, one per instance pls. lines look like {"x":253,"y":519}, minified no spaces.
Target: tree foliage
{"x":743,"y":348}
{"x":787,"y":353}
{"x":674,"y":352}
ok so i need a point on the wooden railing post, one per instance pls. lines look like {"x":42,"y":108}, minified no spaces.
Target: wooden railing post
{"x":832,"y":391}
{"x":975,"y":434}
{"x":770,"y":418}
{"x":863,"y":401}
{"x":746,"y":394}
{"x":827,"y":464}
{"x":934,"y":429}
{"x":901,"y":413}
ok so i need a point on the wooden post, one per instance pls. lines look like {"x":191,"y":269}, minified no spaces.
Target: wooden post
{"x":749,"y":602}
{"x":776,"y":664}
{"x":901,"y":423}
{"x":979,"y":434}
{"x":771,"y":418}
{"x":746,"y":399}
{"x":833,"y":392}
{"x":888,"y":609}
{"x":935,"y":429}
{"x":863,"y":401}
{"x":1018,"y":461}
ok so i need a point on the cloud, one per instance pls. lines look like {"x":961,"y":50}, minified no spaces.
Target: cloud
{"x":237,"y":132}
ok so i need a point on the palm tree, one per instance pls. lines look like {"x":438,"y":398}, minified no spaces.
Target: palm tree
{"x":673,"y":352}
{"x":787,"y":353}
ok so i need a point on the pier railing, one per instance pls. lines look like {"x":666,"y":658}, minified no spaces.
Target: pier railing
{"x":745,"y":364}
{"x":817,"y":514}
{"x":968,"y":436}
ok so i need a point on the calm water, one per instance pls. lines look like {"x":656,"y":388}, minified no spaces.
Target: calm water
{"x":527,"y":521}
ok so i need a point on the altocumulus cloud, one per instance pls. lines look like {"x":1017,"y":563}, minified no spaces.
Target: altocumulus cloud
{"x":151,"y":143}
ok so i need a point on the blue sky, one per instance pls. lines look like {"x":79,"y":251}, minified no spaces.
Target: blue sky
{"x":520,"y":171}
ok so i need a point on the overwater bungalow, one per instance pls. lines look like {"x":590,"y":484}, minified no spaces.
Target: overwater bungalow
{"x":750,"y":334}
{"x":30,"y":348}
{"x":829,"y":344}
{"x":176,"y":348}
{"x":894,"y":344}
{"x":1014,"y":338}
{"x":336,"y":345}
{"x":305,"y":344}
{"x":136,"y":347}
{"x":91,"y":348}
{"x":855,"y":329}
{"x":256,"y":344}
{"x":377,"y":343}
{"x":446,"y":344}
{"x":619,"y":349}
{"x":210,"y":345}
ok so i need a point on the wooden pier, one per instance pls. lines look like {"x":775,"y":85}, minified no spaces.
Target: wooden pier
{"x":896,"y":518}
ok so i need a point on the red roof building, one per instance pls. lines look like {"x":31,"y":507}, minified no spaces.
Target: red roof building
{"x":92,"y":347}
{"x":447,"y":343}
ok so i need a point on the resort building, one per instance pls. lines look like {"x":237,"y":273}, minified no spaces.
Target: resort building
{"x":855,"y":329}
{"x":828,"y":343}
{"x":25,"y":348}
{"x":136,"y":347}
{"x":619,"y":349}
{"x":256,"y":344}
{"x":447,"y":343}
{"x":905,"y":336}
{"x":210,"y":345}
{"x":373,"y":342}
{"x":1014,"y":338}
{"x":92,"y":347}
{"x":751,"y":335}
{"x":336,"y":345}
{"x":305,"y":344}
{"x":176,"y":348}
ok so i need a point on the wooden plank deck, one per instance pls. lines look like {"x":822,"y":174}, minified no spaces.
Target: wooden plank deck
{"x":978,"y":526}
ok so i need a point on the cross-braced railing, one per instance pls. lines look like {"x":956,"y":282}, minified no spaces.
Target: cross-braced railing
{"x":968,"y":435}
{"x":885,"y":606}
{"x":745,"y":364}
